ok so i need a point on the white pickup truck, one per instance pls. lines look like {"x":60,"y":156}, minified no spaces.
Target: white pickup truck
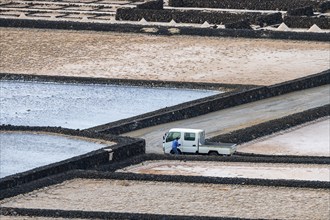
{"x":192,"y":141}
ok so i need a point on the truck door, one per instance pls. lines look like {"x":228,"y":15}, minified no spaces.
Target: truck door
{"x":168,"y":139}
{"x":189,"y":142}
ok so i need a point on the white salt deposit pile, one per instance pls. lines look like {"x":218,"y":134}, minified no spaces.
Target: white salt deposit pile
{"x":283,"y":27}
{"x":314,"y":28}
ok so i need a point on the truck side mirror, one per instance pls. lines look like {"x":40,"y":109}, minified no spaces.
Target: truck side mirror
{"x":164,"y":136}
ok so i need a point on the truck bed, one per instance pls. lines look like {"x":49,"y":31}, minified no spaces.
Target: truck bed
{"x":221,"y":148}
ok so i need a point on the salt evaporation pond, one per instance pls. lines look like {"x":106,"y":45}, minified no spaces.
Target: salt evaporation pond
{"x":80,"y":106}
{"x":76,"y":106}
{"x":21,"y":151}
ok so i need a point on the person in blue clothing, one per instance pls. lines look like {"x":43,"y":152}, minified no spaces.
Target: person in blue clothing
{"x":175,"y":145}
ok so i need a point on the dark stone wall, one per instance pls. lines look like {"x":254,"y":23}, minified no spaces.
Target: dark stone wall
{"x":161,"y":30}
{"x":269,"y":19}
{"x":242,"y":24}
{"x":124,"y":82}
{"x":304,"y":11}
{"x":70,"y":214}
{"x":124,"y":148}
{"x":181,"y":16}
{"x":157,"y":5}
{"x":263,"y":34}
{"x":281,"y":5}
{"x":211,"y":104}
{"x":324,"y":6}
{"x":307,"y":22}
{"x":296,"y":18}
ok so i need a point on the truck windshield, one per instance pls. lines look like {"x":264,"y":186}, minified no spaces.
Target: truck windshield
{"x":172,"y":135}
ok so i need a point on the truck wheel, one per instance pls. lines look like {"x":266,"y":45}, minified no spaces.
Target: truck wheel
{"x":213,"y":153}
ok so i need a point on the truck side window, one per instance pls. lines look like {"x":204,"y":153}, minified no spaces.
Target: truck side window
{"x":189,"y":136}
{"x":172,"y":135}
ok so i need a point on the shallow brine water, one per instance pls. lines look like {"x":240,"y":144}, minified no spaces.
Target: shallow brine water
{"x":81,"y":106}
{"x":22,"y":151}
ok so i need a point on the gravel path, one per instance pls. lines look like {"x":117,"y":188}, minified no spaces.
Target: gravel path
{"x":179,"y":198}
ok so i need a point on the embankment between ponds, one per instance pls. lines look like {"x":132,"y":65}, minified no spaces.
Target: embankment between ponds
{"x":95,"y":215}
{"x":211,"y":104}
{"x":125,"y":82}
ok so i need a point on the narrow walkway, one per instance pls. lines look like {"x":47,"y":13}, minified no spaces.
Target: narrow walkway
{"x":238,"y":117}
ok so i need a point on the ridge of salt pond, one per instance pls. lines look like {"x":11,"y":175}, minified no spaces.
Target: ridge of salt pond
{"x":22,"y":151}
{"x":84,"y":105}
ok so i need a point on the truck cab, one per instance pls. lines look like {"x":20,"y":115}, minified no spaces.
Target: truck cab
{"x":190,"y":140}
